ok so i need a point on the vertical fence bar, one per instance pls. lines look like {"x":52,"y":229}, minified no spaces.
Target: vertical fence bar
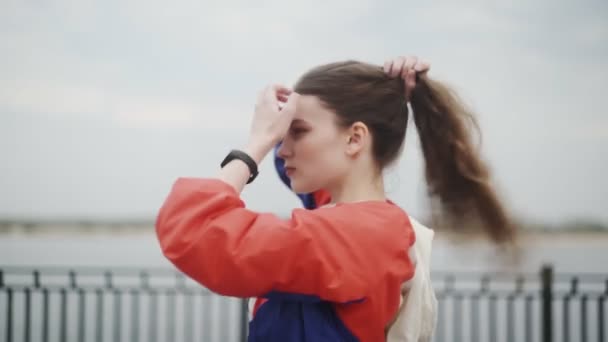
{"x":152,"y":317}
{"x":206,"y":314}
{"x":584,"y":318}
{"x":72,"y":276}
{"x":45,"y":315}
{"x":36,"y":276}
{"x":244,"y":324}
{"x":519,"y":292}
{"x":547,"y":303}
{"x":63,"y":314}
{"x":457,"y":317}
{"x":27,"y":327}
{"x":2,"y":284}
{"x":572,"y":293}
{"x":600,"y":318}
{"x":81,"y":314}
{"x":117,"y":326}
{"x":134,"y":315}
{"x":492,"y":319}
{"x":528,"y":318}
{"x":474,"y":318}
{"x":9,"y":315}
{"x":99,"y":325}
{"x":188,"y":315}
{"x":510,"y":318}
{"x":566,"y":318}
{"x":170,"y":297}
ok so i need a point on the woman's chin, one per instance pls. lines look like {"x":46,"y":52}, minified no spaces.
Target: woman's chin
{"x":299,"y":187}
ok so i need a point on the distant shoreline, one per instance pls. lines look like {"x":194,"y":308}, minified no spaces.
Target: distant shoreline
{"x":83,"y":228}
{"x":75,"y":228}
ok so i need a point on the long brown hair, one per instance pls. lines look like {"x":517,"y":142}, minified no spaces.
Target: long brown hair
{"x":457,"y":178}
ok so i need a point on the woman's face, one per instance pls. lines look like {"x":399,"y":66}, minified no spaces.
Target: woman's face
{"x":314,"y":147}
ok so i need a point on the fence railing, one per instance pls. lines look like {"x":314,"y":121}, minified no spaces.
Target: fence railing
{"x":120,"y":304}
{"x":543,"y":306}
{"x":95,"y":304}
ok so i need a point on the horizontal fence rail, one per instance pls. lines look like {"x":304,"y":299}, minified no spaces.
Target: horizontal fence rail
{"x":123,"y":304}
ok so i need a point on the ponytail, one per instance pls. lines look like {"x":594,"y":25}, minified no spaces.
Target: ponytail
{"x":456,"y":177}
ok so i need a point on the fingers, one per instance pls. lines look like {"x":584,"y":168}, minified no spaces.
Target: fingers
{"x":283,"y":93}
{"x":406,"y":68}
{"x":290,"y":107}
{"x":401,"y":66}
{"x":422,"y":66}
{"x":410,"y":83}
{"x":397,"y":66}
{"x":281,"y":89}
{"x":276,"y":92}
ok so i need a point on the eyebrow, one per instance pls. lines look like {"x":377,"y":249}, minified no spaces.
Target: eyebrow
{"x":298,"y":122}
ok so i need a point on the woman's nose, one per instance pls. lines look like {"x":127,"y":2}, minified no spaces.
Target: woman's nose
{"x":283,"y":151}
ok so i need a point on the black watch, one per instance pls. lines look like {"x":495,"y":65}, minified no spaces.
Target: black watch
{"x":236,"y":154}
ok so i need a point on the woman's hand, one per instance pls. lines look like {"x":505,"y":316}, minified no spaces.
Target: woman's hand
{"x":406,"y":68}
{"x":274,"y":111}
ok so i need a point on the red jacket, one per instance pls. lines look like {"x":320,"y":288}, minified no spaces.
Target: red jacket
{"x":352,"y":256}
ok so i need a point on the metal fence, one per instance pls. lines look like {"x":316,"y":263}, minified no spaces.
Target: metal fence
{"x":94,"y":304}
{"x":543,"y":306}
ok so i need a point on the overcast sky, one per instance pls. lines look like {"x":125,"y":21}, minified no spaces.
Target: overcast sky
{"x":103,"y":104}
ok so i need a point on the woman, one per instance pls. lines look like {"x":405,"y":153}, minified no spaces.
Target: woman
{"x":334,"y":273}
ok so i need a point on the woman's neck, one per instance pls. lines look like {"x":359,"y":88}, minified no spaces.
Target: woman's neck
{"x":358,"y":188}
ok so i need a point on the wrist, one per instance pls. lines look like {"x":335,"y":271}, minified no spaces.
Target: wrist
{"x":257,"y":150}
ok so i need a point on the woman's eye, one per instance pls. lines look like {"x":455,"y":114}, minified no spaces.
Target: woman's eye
{"x":297,"y":131}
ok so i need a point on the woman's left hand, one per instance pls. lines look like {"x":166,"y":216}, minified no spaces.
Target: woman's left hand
{"x":406,"y":68}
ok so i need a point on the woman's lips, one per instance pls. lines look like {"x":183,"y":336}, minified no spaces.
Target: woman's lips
{"x":289,"y":170}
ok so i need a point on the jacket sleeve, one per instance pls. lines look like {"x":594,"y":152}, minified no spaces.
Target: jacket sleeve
{"x":207,"y":233}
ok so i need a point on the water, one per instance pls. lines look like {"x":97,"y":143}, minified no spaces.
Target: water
{"x":568,"y":252}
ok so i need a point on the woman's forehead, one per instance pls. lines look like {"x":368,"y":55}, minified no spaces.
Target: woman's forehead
{"x":309,"y":108}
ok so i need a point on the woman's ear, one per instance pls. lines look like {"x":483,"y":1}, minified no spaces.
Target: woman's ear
{"x":356,"y":138}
